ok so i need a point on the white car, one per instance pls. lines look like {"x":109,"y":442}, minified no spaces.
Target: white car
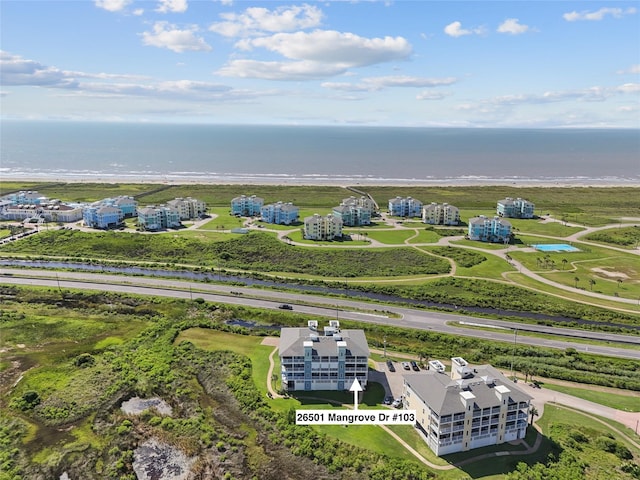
{"x":397,"y":403}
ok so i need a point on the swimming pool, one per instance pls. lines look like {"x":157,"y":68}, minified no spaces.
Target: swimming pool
{"x":555,"y":247}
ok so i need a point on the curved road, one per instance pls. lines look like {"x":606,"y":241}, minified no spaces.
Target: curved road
{"x":408,"y":317}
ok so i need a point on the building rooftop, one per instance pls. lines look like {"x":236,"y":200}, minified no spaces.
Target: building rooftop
{"x":292,"y":341}
{"x":443,"y":394}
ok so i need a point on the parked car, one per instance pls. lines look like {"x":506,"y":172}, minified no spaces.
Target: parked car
{"x":397,"y":403}
{"x":390,"y":366}
{"x":406,"y":365}
{"x":388,"y":400}
{"x":415,"y":366}
{"x":285,"y":306}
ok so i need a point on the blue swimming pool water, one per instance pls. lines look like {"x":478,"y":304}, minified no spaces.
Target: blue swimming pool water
{"x":555,"y":247}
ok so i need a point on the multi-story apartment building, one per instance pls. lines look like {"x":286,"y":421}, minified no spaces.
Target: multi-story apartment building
{"x":485,"y":229}
{"x":318,"y":227}
{"x":127,"y":204}
{"x":405,"y":207}
{"x":440,"y":214}
{"x":472,"y":408}
{"x":26,"y":197}
{"x":54,"y":211}
{"x":188,"y":208}
{"x":330,"y":361}
{"x":109,"y":212}
{"x":279,"y":213}
{"x":515,"y":208}
{"x":98,"y":215}
{"x":362,"y":202}
{"x":153,"y":218}
{"x":244,"y":206}
{"x":353,"y":215}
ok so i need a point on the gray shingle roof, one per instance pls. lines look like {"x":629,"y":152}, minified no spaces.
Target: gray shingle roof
{"x":292,"y":340}
{"x":442,"y":394}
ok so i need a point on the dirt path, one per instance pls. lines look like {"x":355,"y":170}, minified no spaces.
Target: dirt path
{"x":272,"y":342}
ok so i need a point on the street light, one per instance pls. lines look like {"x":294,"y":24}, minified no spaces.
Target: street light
{"x":515,"y":340}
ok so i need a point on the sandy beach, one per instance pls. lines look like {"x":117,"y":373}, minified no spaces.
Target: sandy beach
{"x":322,"y":181}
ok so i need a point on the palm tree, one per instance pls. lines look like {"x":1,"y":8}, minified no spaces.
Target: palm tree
{"x":564,"y":263}
{"x":619,"y":282}
{"x":592,"y":282}
{"x":533,"y":411}
{"x":576,"y":279}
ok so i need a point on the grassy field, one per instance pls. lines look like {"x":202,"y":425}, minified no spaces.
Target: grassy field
{"x":556,"y":416}
{"x":425,"y":236}
{"x":392,"y":237}
{"x":626,"y":403}
{"x":601,"y":265}
{"x":622,"y":237}
{"x":592,"y":205}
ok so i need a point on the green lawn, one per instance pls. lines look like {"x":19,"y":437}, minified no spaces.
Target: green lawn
{"x":250,"y":346}
{"x":601,"y":265}
{"x":223,"y":220}
{"x":492,"y":268}
{"x":425,"y":236}
{"x":480,"y":245}
{"x":392,"y":237}
{"x":346,"y":241}
{"x":627,"y":403}
{"x":554,"y":229}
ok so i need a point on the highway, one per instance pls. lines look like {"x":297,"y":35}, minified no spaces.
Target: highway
{"x":340,"y":308}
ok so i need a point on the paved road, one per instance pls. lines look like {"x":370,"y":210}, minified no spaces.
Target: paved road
{"x":402,"y":317}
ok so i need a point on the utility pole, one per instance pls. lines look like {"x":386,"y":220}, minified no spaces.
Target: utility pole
{"x":384,"y":346}
{"x":515,"y":340}
{"x":59,"y":289}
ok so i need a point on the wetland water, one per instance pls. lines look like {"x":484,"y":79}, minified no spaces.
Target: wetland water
{"x":219,"y":277}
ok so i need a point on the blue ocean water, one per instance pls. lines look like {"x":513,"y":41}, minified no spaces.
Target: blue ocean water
{"x":316,"y":154}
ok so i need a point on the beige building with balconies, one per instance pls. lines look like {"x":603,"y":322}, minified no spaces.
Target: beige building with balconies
{"x":472,"y":408}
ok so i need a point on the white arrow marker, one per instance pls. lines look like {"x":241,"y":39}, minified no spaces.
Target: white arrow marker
{"x":355,"y":388}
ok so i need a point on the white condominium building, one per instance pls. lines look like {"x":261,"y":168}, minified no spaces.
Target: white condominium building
{"x":318,"y":227}
{"x":312,"y":361}
{"x":440,"y":214}
{"x":472,"y":408}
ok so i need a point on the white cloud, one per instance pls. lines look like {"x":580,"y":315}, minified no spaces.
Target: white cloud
{"x":378,"y":83}
{"x":455,"y":29}
{"x":258,"y":21}
{"x":633,"y":70}
{"x":628,"y":109}
{"x":629,"y":88}
{"x":169,"y":36}
{"x":346,"y":86}
{"x":319,"y":54}
{"x":138,"y":11}
{"x":598,"y":14}
{"x":431,"y":95}
{"x":331,"y":47}
{"x":173,"y":6}
{"x":15,"y":70}
{"x":112,"y":5}
{"x":302,"y":70}
{"x":513,"y":27}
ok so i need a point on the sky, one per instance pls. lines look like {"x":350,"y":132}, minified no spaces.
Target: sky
{"x":505,"y":64}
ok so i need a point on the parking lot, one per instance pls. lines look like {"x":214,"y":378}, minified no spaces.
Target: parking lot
{"x":392,"y":381}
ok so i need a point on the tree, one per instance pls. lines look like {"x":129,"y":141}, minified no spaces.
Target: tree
{"x":619,"y":282}
{"x":533,"y":411}
{"x":564,"y":263}
{"x":576,"y":279}
{"x":592,"y":282}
